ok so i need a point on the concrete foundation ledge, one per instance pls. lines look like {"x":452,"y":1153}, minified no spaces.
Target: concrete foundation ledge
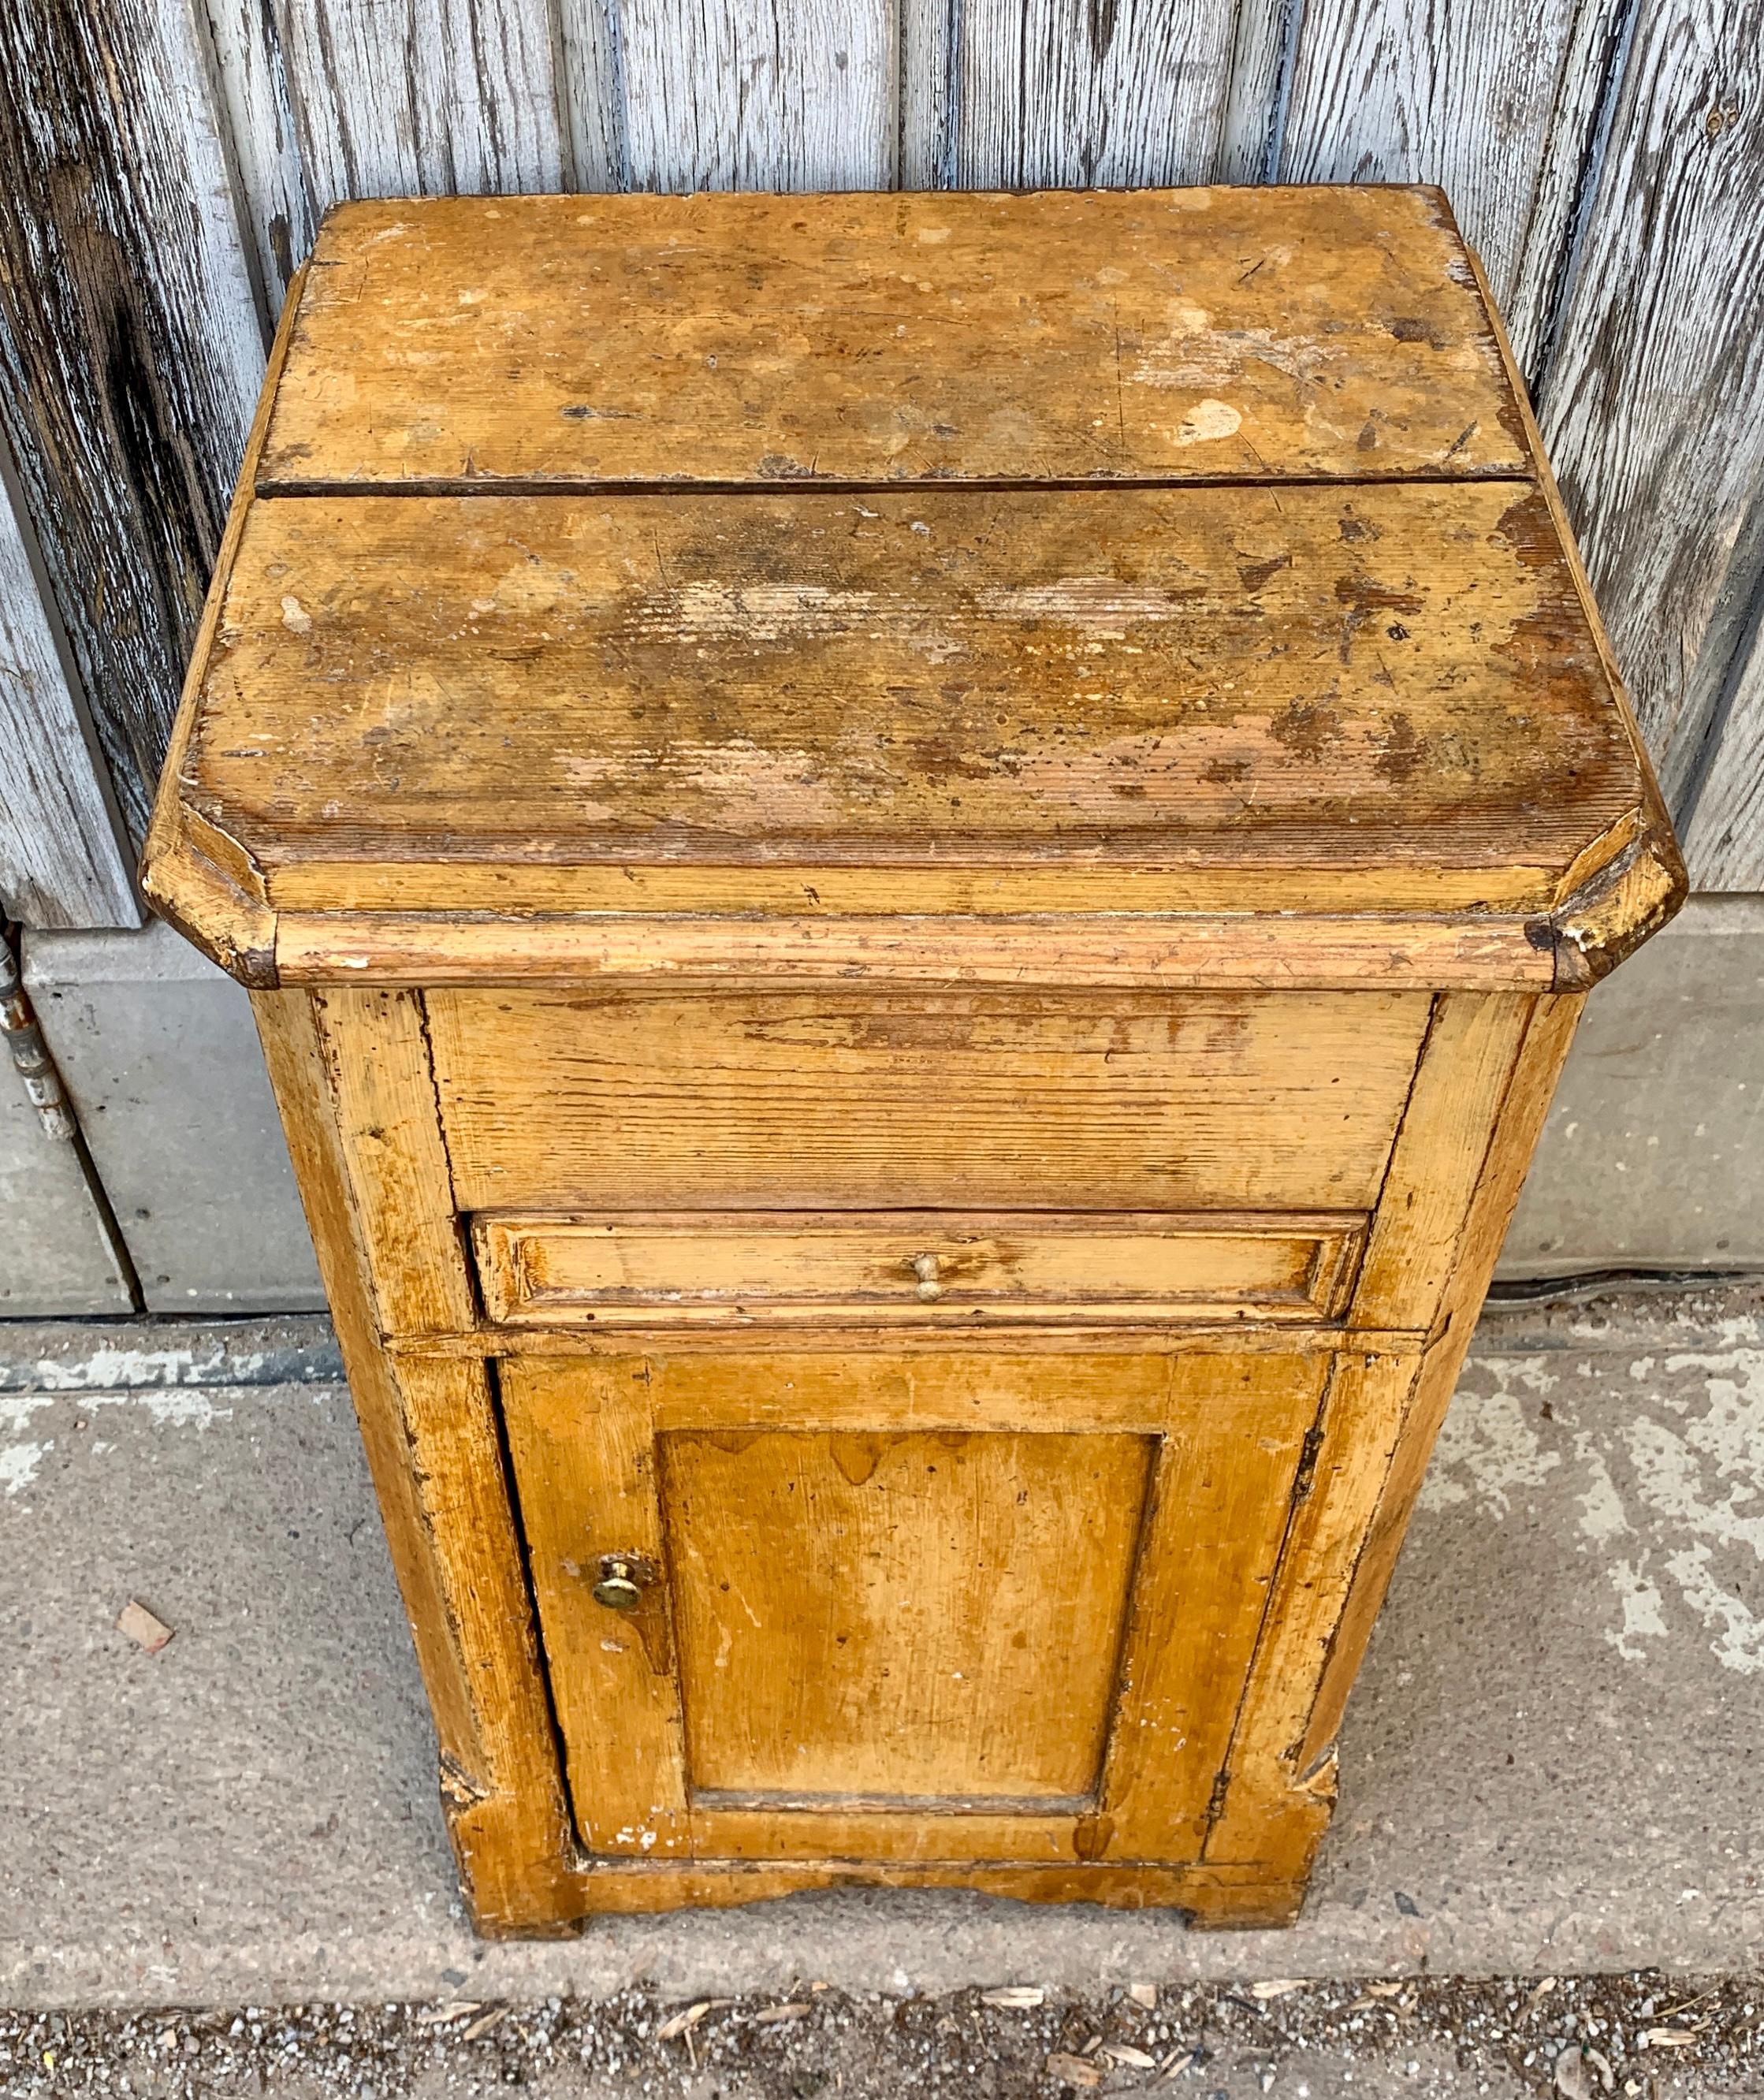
{"x":1551,"y":1766}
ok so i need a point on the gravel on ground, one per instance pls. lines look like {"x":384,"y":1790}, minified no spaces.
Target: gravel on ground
{"x":1571,"y":2038}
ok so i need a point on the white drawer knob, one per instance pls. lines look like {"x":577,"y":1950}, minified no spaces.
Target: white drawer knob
{"x":925,"y":1268}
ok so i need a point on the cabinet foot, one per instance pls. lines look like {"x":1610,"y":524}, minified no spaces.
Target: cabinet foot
{"x":1258,"y":1907}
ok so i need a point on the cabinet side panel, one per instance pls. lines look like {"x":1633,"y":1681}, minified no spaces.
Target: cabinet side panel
{"x":1438,"y":1159}
{"x":1549,"y":1033}
{"x":1480,"y":1091}
{"x":375,"y":1050}
{"x":432,"y":1447}
{"x":1274,"y":1807}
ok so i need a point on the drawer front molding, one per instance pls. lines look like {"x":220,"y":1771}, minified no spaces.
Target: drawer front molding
{"x":934,"y":1269}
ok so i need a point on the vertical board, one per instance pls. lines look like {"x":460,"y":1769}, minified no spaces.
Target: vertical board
{"x":582,"y":1443}
{"x":1258,"y":93}
{"x":930,"y":33}
{"x":1066,"y":94}
{"x":61,"y":862}
{"x":130,"y":347}
{"x":1221,"y":1496}
{"x":431,"y":1442}
{"x":758,"y":94}
{"x":424,"y":98}
{"x":375,"y":1047}
{"x":256,"y":105}
{"x":1653,"y":410}
{"x":1386,"y":91}
{"x":1724,"y":837}
{"x":592,"y":81}
{"x":1568,"y":172}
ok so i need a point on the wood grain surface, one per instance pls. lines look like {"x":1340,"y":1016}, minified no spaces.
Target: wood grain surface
{"x":1229,"y":1472}
{"x":388,"y":1139}
{"x":1311,"y":677}
{"x":1384,"y":92}
{"x":255,"y":107}
{"x":435,"y":1456}
{"x":1176,"y":334}
{"x":1060,"y":94}
{"x":1198,"y":951}
{"x":884,"y":1615}
{"x":933,"y":1267}
{"x":61,"y":856}
{"x":409,"y":98}
{"x":130,"y":347}
{"x":856,"y":1100}
{"x":1653,"y":378}
{"x":758,"y":94}
{"x":1724,"y":837}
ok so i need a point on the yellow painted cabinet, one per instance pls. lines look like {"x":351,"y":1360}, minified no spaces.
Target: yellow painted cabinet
{"x":914,"y":870}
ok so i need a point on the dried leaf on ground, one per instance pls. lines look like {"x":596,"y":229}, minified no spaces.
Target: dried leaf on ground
{"x":1015,"y":1997}
{"x":771,"y":2014}
{"x":1144,"y":1994}
{"x":1120,"y":2052}
{"x":456,"y":2009}
{"x":1667,"y":2038}
{"x":1278,"y":1987}
{"x":1073,"y":2070}
{"x":1570,"y":2080}
{"x":677,"y":2024}
{"x":482,"y":2027}
{"x":141,"y":1626}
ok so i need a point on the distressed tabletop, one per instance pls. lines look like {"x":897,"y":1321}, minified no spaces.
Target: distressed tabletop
{"x":1175,"y":552}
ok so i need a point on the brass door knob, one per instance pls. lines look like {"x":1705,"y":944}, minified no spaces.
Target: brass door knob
{"x":618,"y":1589}
{"x":925,"y":1268}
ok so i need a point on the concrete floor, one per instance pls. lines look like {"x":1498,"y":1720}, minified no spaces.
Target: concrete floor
{"x":1551,"y":1762}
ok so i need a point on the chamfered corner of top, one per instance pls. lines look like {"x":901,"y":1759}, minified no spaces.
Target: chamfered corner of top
{"x":220,"y":909}
{"x":1624,"y":903}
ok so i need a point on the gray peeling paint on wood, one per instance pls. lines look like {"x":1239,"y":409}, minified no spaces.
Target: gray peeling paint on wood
{"x":61,"y":859}
{"x":1653,"y":408}
{"x":759,"y":94}
{"x":424,"y":98}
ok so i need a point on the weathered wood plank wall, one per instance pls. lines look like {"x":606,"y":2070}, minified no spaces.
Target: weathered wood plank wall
{"x":168,"y":159}
{"x":61,"y":856}
{"x":130,"y":347}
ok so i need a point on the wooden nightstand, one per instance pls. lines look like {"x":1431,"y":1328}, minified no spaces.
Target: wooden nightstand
{"x":914,"y":869}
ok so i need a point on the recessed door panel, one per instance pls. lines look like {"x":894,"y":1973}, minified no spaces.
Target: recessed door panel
{"x":866,"y":1613}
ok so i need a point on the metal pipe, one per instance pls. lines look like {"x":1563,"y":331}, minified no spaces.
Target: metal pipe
{"x":29,"y":1052}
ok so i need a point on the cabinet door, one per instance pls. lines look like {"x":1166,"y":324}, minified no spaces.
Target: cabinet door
{"x":952,"y":1606}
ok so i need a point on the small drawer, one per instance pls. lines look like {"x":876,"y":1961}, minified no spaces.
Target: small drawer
{"x":912,"y":1268}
